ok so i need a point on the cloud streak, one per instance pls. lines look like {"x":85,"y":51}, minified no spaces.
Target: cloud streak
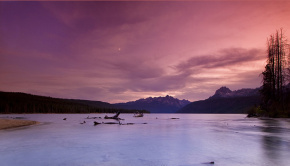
{"x":227,"y":67}
{"x":223,"y":58}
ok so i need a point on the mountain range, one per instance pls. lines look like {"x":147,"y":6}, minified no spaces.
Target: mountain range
{"x":225,"y":101}
{"x":225,"y":92}
{"x":166,"y":104}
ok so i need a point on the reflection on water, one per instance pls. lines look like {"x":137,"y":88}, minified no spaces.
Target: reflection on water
{"x":193,"y":139}
{"x":275,"y":141}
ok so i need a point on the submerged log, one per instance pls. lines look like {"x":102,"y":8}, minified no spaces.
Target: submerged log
{"x":212,"y":162}
{"x":93,"y":117}
{"x":96,"y":123}
{"x":110,"y":123}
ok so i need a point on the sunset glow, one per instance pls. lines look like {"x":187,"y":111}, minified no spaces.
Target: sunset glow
{"x":121,"y":51}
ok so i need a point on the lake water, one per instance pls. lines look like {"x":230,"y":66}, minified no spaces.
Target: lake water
{"x":191,"y":140}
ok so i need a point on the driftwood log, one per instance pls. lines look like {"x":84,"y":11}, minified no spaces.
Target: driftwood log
{"x":114,"y":117}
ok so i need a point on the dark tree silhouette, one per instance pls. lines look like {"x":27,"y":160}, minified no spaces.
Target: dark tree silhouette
{"x":275,"y":71}
{"x":13,"y":102}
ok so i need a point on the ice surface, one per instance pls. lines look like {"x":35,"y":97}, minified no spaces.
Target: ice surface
{"x":193,"y":139}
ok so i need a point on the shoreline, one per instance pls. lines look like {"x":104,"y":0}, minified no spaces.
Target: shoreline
{"x":14,"y":123}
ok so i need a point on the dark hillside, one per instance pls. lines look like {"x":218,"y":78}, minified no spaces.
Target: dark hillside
{"x":222,"y":105}
{"x":225,"y":101}
{"x":15,"y":102}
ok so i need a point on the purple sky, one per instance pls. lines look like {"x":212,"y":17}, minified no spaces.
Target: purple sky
{"x":123,"y":51}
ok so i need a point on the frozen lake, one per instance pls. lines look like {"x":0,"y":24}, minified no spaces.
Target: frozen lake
{"x":191,"y":140}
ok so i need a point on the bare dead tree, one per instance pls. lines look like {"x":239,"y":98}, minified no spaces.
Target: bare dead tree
{"x":276,"y":69}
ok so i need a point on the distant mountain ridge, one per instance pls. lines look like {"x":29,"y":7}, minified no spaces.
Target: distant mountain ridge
{"x":166,"y":104}
{"x":225,"y":101}
{"x":225,"y":92}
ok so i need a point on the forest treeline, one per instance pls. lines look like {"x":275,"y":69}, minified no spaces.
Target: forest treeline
{"x":18,"y":103}
{"x":275,"y":90}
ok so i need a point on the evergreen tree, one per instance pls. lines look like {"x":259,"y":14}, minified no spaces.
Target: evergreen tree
{"x":275,"y":70}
